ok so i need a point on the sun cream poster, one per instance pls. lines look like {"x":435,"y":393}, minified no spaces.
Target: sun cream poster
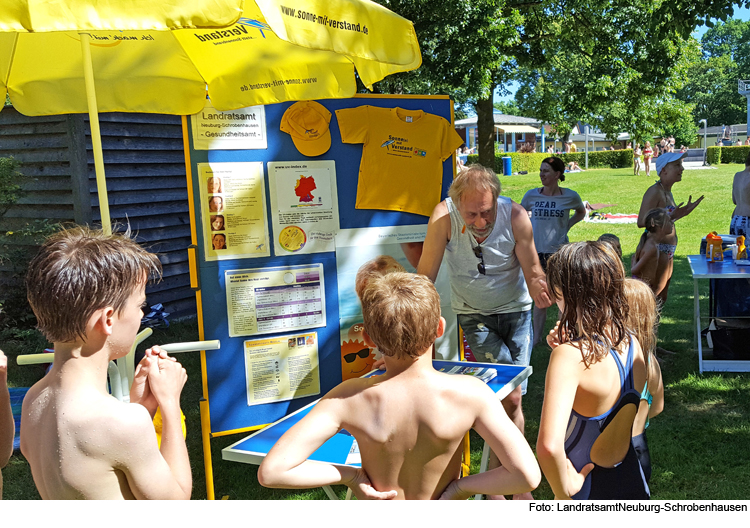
{"x":282,"y":368}
{"x":356,"y":357}
{"x":275,"y":299}
{"x":354,"y":247}
{"x":304,"y":206}
{"x":241,"y":129}
{"x":233,"y":210}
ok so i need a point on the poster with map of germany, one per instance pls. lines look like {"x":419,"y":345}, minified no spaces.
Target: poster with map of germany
{"x":304,"y":206}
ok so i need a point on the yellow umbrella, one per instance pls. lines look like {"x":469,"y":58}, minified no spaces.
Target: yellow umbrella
{"x":273,"y":53}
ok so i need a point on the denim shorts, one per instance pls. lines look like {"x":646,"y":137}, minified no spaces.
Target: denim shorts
{"x":499,"y":338}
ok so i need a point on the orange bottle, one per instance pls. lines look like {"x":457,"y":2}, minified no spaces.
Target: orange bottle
{"x":714,"y":251}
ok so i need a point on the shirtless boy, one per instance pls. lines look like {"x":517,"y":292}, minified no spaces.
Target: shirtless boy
{"x":409,"y":422}
{"x":87,"y":290}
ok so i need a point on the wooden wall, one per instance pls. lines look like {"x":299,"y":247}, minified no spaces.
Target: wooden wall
{"x":145,"y":169}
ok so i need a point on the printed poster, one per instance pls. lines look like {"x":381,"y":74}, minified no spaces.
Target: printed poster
{"x":282,"y":368}
{"x":275,"y":299}
{"x":241,"y":129}
{"x":233,"y":210}
{"x":304,"y":206}
{"x":354,"y":247}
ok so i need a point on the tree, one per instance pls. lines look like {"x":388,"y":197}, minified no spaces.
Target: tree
{"x":508,"y":108}
{"x":712,"y":82}
{"x":470,"y":47}
{"x":464,"y":47}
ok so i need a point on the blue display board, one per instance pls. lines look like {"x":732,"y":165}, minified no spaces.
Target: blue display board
{"x":225,"y":368}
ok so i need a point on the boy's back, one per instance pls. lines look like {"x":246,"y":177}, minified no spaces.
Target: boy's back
{"x":78,"y":456}
{"x":409,"y":422}
{"x":82,"y":443}
{"x":410,"y":427}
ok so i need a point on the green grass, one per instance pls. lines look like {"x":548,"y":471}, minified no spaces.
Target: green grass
{"x":698,"y":444}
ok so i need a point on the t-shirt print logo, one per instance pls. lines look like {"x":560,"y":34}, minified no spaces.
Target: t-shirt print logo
{"x":399,"y":146}
{"x":387,"y":144}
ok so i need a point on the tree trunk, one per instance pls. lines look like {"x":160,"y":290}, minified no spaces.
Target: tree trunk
{"x":486,"y":130}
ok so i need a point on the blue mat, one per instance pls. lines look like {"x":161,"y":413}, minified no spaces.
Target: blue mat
{"x":16,"y":399}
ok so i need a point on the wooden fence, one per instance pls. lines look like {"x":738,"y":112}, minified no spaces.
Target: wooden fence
{"x":145,"y":169}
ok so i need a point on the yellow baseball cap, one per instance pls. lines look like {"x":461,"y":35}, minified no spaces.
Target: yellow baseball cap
{"x":307,"y":123}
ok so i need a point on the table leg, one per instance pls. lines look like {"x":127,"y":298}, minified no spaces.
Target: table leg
{"x":483,"y":466}
{"x":697,"y":317}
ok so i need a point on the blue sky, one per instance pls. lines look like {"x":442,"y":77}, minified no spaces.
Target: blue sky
{"x":741,"y":13}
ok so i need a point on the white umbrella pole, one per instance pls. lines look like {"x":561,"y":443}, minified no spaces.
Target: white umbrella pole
{"x":96,"y":138}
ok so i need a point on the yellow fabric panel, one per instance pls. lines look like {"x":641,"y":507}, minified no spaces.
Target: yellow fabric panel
{"x":401,"y":167}
{"x":139,"y":71}
{"x":359,"y":29}
{"x":243,"y":64}
{"x":279,"y":71}
{"x":71,"y":15}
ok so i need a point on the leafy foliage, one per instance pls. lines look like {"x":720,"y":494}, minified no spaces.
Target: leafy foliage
{"x":712,"y":84}
{"x":10,"y":177}
{"x":617,"y":65}
{"x":530,"y":162}
{"x":17,"y":248}
{"x":718,"y":155}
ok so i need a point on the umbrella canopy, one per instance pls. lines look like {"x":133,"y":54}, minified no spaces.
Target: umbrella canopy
{"x":87,"y":15}
{"x":273,"y":53}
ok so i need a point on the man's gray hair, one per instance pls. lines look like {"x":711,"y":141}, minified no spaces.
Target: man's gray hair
{"x":474,"y":178}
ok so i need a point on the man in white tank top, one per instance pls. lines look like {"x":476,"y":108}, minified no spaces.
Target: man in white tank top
{"x":488,"y":244}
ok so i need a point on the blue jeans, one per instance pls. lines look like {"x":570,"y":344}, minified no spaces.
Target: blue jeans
{"x":499,"y":338}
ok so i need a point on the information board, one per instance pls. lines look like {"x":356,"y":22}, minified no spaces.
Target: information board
{"x":271,"y":295}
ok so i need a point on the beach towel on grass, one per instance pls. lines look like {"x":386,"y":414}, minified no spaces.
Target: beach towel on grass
{"x":593,"y":215}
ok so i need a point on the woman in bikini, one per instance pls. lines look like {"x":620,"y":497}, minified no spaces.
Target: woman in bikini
{"x":594,"y":380}
{"x":741,"y":197}
{"x":648,"y":153}
{"x":659,"y":195}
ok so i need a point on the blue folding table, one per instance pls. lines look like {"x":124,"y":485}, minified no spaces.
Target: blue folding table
{"x":341,"y":449}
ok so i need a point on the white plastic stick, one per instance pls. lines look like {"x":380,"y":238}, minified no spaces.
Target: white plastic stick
{"x":171,"y":348}
{"x":192,"y":346}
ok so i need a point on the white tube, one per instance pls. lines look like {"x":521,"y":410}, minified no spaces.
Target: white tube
{"x":192,"y":346}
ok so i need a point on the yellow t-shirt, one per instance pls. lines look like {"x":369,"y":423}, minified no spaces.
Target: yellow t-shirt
{"x":402,"y":157}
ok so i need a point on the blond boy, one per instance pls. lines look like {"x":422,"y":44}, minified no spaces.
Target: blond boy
{"x":409,"y":422}
{"x":87,"y":290}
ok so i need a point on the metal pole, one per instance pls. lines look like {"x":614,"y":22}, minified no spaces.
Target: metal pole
{"x":96,"y":137}
{"x":705,"y":141}
{"x":587,"y":147}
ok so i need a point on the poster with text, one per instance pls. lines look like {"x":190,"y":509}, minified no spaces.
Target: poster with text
{"x":354,"y":247}
{"x":304,"y":206}
{"x":241,"y":129}
{"x":282,"y":368}
{"x":275,"y":299}
{"x":233,"y":210}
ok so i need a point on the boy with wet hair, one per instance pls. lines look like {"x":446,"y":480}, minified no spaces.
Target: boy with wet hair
{"x":87,"y":290}
{"x":409,"y":422}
